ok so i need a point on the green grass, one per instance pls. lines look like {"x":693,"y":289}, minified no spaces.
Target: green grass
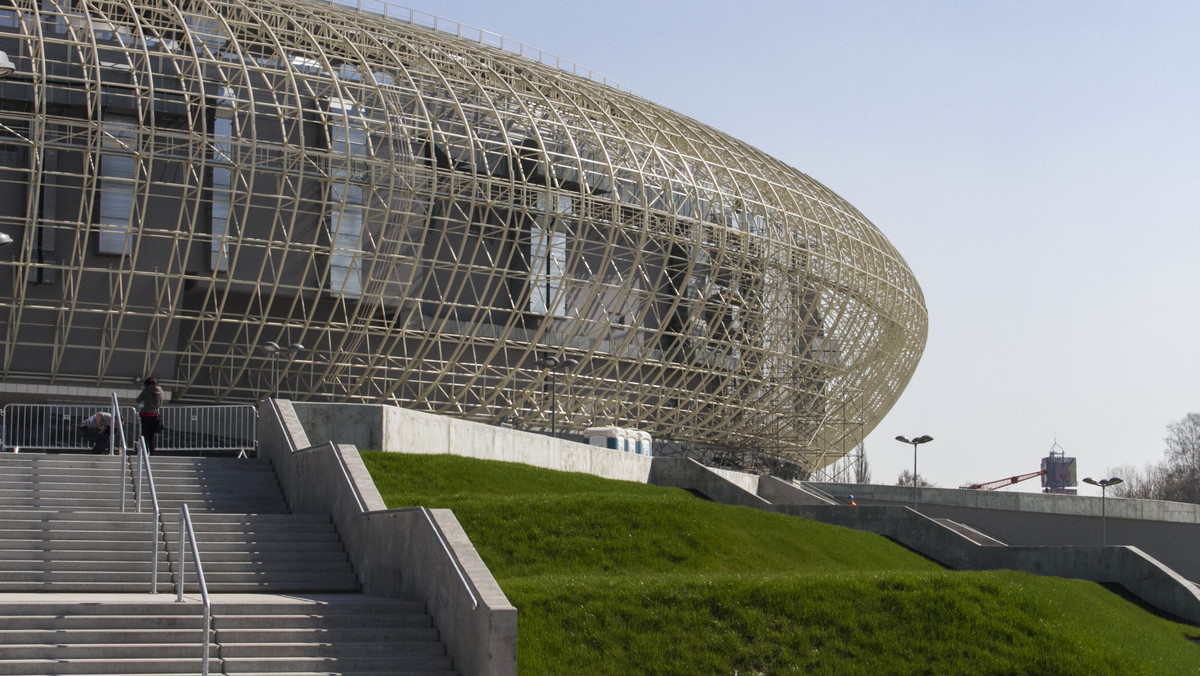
{"x":620,"y":578}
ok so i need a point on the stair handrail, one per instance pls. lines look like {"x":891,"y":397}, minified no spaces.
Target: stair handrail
{"x":116,"y":432}
{"x":155,"y":523}
{"x":187,"y":533}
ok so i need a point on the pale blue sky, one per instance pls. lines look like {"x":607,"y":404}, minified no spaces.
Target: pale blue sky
{"x":1036,"y":163}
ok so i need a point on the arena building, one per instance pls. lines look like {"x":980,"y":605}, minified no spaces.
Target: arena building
{"x":343,"y":204}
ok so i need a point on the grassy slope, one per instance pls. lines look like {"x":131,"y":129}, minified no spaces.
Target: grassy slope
{"x":621,"y":578}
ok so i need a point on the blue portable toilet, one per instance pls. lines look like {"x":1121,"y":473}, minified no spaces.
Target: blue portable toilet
{"x":606,"y":437}
{"x":625,"y":443}
{"x":644,"y":443}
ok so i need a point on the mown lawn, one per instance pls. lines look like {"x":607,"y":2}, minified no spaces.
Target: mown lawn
{"x":614,"y":577}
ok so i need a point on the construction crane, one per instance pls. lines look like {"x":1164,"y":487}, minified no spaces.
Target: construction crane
{"x":1001,"y":483}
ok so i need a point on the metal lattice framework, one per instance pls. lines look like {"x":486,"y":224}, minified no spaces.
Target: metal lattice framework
{"x":431,"y":215}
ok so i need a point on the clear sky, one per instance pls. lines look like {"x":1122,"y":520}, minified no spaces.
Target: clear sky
{"x":1037,"y":164}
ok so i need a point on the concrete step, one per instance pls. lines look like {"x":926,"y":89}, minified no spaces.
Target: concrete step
{"x":293,"y":566}
{"x":302,"y":574}
{"x":8,"y":556}
{"x":27,"y":519}
{"x":131,"y":564}
{"x":349,"y":634}
{"x":317,"y":585}
{"x":253,"y":539}
{"x":323,"y":622}
{"x":75,"y":650}
{"x":68,"y":534}
{"x":211,"y":557}
{"x":316,"y":646}
{"x":298,"y":523}
{"x":125,"y":634}
{"x":337,"y":665}
{"x":80,"y":544}
{"x":142,"y":667}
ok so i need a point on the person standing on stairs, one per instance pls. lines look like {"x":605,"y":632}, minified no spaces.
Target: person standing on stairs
{"x":149,"y":403}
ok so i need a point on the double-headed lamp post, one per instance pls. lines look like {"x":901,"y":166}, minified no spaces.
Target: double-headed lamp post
{"x":1103,"y":484}
{"x":272,"y":348}
{"x":923,"y":439}
{"x":554,"y":364}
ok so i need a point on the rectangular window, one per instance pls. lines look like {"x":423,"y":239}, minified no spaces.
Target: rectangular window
{"x":346,"y":232}
{"x":222,"y":181}
{"x":118,"y":177}
{"x":349,"y":148}
{"x":548,"y":257}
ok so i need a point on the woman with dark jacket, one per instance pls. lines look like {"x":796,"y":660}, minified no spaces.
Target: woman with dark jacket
{"x":151,"y":400}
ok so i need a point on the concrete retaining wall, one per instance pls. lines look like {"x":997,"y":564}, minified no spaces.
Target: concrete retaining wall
{"x":747,"y":482}
{"x":397,"y":430}
{"x":787,"y":493}
{"x":716,"y":486}
{"x":1056,"y":520}
{"x":1140,"y":574}
{"x":1077,"y":505}
{"x":404,"y":553}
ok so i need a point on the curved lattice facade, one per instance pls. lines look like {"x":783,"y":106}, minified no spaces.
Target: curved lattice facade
{"x":430,"y":216}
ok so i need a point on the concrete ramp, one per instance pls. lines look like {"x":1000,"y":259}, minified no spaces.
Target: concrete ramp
{"x":976,"y":536}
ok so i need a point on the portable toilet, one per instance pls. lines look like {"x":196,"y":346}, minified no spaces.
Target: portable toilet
{"x":625,"y":443}
{"x":644,"y":440}
{"x":606,"y":437}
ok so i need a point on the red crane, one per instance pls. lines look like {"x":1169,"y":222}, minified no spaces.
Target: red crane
{"x":1001,"y":483}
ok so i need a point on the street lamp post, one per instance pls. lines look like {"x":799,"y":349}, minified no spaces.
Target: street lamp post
{"x":923,"y":439}
{"x":1103,"y":484}
{"x":552,"y":364}
{"x":275,"y":350}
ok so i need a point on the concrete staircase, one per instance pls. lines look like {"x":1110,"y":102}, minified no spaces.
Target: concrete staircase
{"x":248,"y":540}
{"x":75,"y":578}
{"x":258,"y":634}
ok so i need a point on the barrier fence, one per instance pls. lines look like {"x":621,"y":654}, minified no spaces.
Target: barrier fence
{"x":195,"y":430}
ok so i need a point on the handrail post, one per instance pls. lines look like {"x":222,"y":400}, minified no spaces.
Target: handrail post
{"x":112,"y":446}
{"x":184,"y":519}
{"x":138,"y":445}
{"x":156,"y":522}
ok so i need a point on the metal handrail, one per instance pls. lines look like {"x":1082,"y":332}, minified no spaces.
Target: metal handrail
{"x":117,"y":434}
{"x":462,"y":574}
{"x":156,"y":523}
{"x":116,"y":431}
{"x":188,"y":533}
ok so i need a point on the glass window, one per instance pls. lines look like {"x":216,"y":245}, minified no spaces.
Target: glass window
{"x":118,"y":177}
{"x":349,"y":145}
{"x":222,"y":183}
{"x":548,"y":257}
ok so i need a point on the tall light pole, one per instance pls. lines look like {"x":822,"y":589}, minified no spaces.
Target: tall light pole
{"x":923,"y":439}
{"x":1103,"y":484}
{"x":553,"y":364}
{"x":272,"y":348}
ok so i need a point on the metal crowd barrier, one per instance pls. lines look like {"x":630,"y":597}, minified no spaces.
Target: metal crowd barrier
{"x":55,"y":427}
{"x":195,"y":430}
{"x":209,"y":429}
